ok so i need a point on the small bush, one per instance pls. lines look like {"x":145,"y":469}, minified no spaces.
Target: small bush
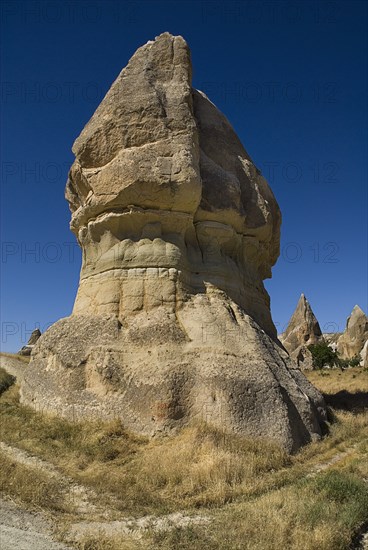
{"x":323,"y":355}
{"x":344,"y":363}
{"x":355,"y":361}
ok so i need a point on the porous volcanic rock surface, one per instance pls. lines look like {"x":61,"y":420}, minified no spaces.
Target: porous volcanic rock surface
{"x":178,"y":229}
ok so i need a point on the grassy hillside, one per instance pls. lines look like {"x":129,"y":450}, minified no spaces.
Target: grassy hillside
{"x":241,"y":493}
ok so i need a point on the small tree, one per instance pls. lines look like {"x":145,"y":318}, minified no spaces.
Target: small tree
{"x":323,"y":355}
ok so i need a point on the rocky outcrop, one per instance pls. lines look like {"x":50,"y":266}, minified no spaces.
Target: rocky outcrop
{"x":27,"y":350}
{"x":178,"y":230}
{"x":331,"y":338}
{"x":303,"y":329}
{"x":160,"y":182}
{"x":352,"y":341}
{"x":303,"y":357}
{"x":364,"y":355}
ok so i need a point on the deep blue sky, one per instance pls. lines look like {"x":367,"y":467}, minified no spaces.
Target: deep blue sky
{"x":291,"y":76}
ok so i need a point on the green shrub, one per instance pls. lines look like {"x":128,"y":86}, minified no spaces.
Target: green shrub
{"x":355,"y":361}
{"x":323,"y":355}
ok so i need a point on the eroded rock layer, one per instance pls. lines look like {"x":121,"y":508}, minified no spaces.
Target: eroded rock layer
{"x":178,"y":230}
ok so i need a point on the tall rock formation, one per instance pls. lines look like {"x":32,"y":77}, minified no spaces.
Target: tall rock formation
{"x":303,"y":329}
{"x":352,"y":341}
{"x":178,"y":230}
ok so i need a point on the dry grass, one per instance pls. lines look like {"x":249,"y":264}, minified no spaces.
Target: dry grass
{"x":330,"y":381}
{"x":313,"y":514}
{"x":31,"y":486}
{"x":23,"y":358}
{"x":201,"y":466}
{"x":343,"y":390}
{"x":6,"y":380}
{"x":257,"y":496}
{"x":112,"y":543}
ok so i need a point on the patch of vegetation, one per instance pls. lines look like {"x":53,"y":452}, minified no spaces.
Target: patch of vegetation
{"x":23,"y":358}
{"x":201,"y":466}
{"x":102,"y":542}
{"x":313,"y":514}
{"x":6,"y":380}
{"x":323,"y":355}
{"x":350,"y":380}
{"x":31,"y":486}
{"x":301,"y":517}
{"x":355,"y":361}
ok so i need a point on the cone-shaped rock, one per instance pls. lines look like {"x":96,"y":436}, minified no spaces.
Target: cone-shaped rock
{"x":303,"y":328}
{"x":178,"y":230}
{"x":353,"y":339}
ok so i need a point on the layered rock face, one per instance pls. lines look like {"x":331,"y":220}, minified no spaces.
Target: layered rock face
{"x":352,"y":341}
{"x":160,"y":182}
{"x":178,"y":230}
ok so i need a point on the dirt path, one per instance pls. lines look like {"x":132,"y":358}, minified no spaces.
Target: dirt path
{"x":135,"y":526}
{"x":79,"y":496}
{"x":23,"y":530}
{"x":83,"y":500}
{"x":322,"y":466}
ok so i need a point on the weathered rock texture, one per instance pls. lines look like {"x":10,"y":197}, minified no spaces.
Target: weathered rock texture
{"x":352,"y":341}
{"x":303,"y":329}
{"x":178,"y":230}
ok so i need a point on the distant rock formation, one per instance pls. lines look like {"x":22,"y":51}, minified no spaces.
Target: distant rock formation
{"x":353,"y":339}
{"x":331,"y":338}
{"x":303,"y":329}
{"x":364,"y":355}
{"x":26,"y":350}
{"x":178,"y":230}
